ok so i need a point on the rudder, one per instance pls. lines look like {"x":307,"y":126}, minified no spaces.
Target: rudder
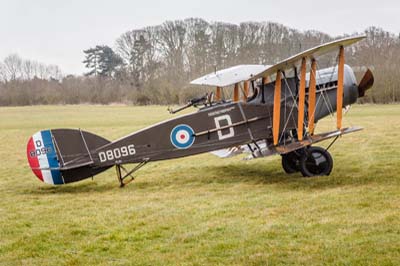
{"x":61,"y":156}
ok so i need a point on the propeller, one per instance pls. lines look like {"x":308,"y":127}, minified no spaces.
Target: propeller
{"x":366,"y":83}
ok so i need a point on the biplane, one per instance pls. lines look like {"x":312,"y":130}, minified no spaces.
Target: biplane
{"x":274,"y":110}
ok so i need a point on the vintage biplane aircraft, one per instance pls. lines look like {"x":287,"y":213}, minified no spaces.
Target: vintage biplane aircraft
{"x":278,"y":117}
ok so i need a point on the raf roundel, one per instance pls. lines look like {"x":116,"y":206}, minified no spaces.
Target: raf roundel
{"x":182,"y":136}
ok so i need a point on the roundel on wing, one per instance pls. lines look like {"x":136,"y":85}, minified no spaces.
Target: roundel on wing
{"x":182,"y":136}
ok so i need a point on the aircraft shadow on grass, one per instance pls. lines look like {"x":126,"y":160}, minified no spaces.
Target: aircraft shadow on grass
{"x":249,"y":174}
{"x":210,"y":176}
{"x":87,"y":187}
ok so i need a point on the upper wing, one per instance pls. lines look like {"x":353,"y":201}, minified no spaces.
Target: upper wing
{"x":230,"y":76}
{"x":236,"y":74}
{"x":310,"y":53}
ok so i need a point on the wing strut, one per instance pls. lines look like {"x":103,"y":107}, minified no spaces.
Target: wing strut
{"x":302,"y":96}
{"x":236,"y":93}
{"x":311,"y":97}
{"x":277,"y":107}
{"x":218,"y":94}
{"x":245,"y":90}
{"x":339,"y":97}
{"x":265,"y":80}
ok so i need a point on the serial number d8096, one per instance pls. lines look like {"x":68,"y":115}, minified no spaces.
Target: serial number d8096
{"x":117,"y":153}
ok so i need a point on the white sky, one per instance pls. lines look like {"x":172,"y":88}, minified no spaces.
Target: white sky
{"x":56,"y":32}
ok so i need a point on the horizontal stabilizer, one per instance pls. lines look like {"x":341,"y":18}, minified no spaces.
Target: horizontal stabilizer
{"x":74,"y":146}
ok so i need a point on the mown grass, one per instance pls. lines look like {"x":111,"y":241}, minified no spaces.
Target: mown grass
{"x":202,"y":210}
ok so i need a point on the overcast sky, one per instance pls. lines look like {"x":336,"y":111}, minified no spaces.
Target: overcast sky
{"x":56,"y":32}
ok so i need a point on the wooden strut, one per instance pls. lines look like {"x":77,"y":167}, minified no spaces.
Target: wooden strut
{"x":277,"y":108}
{"x":339,"y":96}
{"x":265,"y":80}
{"x":218,"y":94}
{"x":312,"y":91}
{"x":245,"y":90}
{"x":302,"y":96}
{"x":236,"y":93}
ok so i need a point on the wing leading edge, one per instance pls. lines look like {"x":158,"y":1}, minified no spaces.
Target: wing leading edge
{"x":236,"y":74}
{"x":310,"y":53}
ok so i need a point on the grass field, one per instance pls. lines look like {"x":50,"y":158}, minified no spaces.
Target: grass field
{"x":202,"y":210}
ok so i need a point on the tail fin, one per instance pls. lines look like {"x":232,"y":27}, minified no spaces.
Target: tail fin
{"x":61,"y":156}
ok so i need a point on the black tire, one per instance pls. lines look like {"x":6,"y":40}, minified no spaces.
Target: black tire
{"x":291,"y":162}
{"x":316,"y":161}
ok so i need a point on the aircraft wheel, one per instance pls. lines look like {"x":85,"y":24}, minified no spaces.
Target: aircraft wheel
{"x":291,"y":162}
{"x":316,"y":161}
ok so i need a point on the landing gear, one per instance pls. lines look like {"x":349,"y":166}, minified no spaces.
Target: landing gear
{"x":291,"y":162}
{"x":127,"y":174}
{"x":316,"y":161}
{"x":310,"y":161}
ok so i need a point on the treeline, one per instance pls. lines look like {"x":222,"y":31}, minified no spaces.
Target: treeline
{"x":153,"y":65}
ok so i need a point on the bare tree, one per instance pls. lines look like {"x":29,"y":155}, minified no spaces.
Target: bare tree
{"x":13,"y":67}
{"x":3,"y":72}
